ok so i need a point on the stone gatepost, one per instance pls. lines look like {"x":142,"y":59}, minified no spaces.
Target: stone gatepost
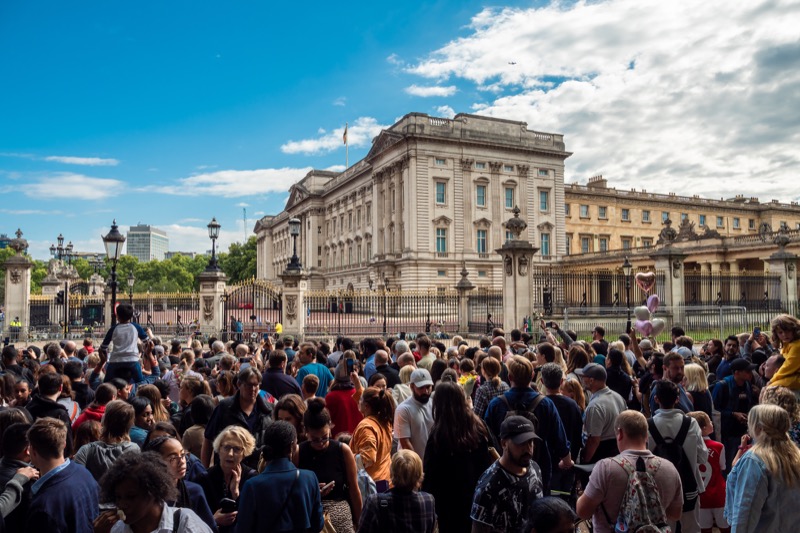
{"x":18,"y":290}
{"x":213,"y":284}
{"x":464,"y":286}
{"x":295,"y":285}
{"x":517,"y":255}
{"x":670,"y":261}
{"x":785,"y":264}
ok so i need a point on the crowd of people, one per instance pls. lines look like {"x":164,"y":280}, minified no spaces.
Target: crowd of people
{"x":517,"y":433}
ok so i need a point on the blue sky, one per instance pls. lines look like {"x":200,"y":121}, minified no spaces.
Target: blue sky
{"x":169,"y":113}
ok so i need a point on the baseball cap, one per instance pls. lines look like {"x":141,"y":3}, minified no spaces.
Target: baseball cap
{"x":158,"y":350}
{"x":592,"y":370}
{"x":684,"y":352}
{"x":645,"y":344}
{"x":519,"y":429}
{"x":742,"y":364}
{"x":421,"y":378}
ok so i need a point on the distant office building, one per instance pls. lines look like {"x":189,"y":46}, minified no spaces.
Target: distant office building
{"x":190,"y":255}
{"x":4,"y":240}
{"x":147,"y":243}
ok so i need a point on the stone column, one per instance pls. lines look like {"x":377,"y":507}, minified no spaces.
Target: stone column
{"x":212,"y":293}
{"x":735,"y":286}
{"x":295,"y":285}
{"x":670,"y":261}
{"x":463,"y":287}
{"x":784,"y":264}
{"x":18,"y":290}
{"x":517,"y":255}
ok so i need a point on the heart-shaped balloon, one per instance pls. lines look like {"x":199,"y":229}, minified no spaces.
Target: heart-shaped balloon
{"x":645,"y":327}
{"x":646,"y":281}
{"x":658,"y":326}
{"x":642,"y":313}
{"x":652,"y":302}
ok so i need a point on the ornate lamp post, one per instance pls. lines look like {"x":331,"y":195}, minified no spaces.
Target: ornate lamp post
{"x":385,"y":306}
{"x":213,"y":234}
{"x":131,"y":281}
{"x":113,"y":243}
{"x":626,"y":271}
{"x":294,"y":231}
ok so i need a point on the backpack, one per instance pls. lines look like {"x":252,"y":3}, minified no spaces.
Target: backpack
{"x":526,"y":413}
{"x":641,"y":510}
{"x":672,"y":451}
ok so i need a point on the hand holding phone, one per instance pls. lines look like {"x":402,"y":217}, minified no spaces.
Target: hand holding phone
{"x":324,"y":489}
{"x":350,"y":365}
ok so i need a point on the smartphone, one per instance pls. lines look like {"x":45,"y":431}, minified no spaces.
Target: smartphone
{"x":226,"y":505}
{"x":550,"y":324}
{"x":329,"y":485}
{"x":265,"y":337}
{"x":108,"y":507}
{"x":756,"y":332}
{"x":245,"y":359}
{"x":350,"y":363}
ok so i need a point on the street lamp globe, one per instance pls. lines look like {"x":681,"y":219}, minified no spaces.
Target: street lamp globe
{"x":131,"y":280}
{"x":60,"y":240}
{"x":113,"y":243}
{"x":627,"y":267}
{"x":294,"y":231}
{"x":213,"y":229}
{"x":53,"y":250}
{"x":213,"y":234}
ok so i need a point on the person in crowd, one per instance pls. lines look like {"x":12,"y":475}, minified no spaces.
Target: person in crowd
{"x":671,"y":423}
{"x":226,"y":479}
{"x":190,"y":388}
{"x":409,"y":509}
{"x":378,"y":381}
{"x":786,"y":336}
{"x":491,"y":387}
{"x":246,"y":409}
{"x":372,"y":438}
{"x":333,"y":463}
{"x":603,"y":497}
{"x":342,"y":400}
{"x":551,"y":515}
{"x":190,"y":493}
{"x":732,"y":352}
{"x":15,"y":469}
{"x":67,"y":399}
{"x":65,"y":498}
{"x":674,"y":365}
{"x":309,"y":386}
{"x":734,"y":396}
{"x":578,"y":358}
{"x":521,"y":398}
{"x":402,"y":392}
{"x":143,"y":421}
{"x":104,"y":394}
{"x":45,"y":404}
{"x":413,"y":418}
{"x":456,"y":456}
{"x":90,"y":431}
{"x":114,"y":441}
{"x":508,"y":487}
{"x":601,"y":415}
{"x":139,"y":486}
{"x":573,"y":390}
{"x":282,"y":497}
{"x":697,"y":386}
{"x":291,"y":408}
{"x":764,"y":487}
{"x":712,"y":354}
{"x":617,"y":378}
{"x":224,"y":384}
{"x":308,"y":358}
{"x":84,"y":394}
{"x":712,"y":500}
{"x":123,"y":387}
{"x":275,"y":380}
{"x":571,"y":418}
{"x":124,"y":360}
{"x":151,"y":392}
{"x":382,"y":366}
{"x":11,"y":366}
{"x":783,"y":397}
{"x":426,"y":357}
{"x":192,"y":439}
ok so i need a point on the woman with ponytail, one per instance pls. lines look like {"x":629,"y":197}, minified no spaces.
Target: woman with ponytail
{"x":335,"y":467}
{"x":764,"y":486}
{"x":372,"y":438}
{"x":492,"y":385}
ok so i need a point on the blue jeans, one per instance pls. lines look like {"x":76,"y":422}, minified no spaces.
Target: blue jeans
{"x":130,"y":372}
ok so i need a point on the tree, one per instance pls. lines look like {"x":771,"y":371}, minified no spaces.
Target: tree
{"x":239,"y":263}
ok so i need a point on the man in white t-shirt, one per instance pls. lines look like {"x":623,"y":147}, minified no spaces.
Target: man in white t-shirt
{"x":601,"y":414}
{"x":413,"y":418}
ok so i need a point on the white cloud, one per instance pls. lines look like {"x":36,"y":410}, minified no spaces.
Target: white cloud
{"x":672,"y":96}
{"x":242,"y":204}
{"x":233,"y":183}
{"x":22,"y":212}
{"x":359,"y":133}
{"x":336,"y":168}
{"x":88,"y":161}
{"x":394,"y":59}
{"x":445,"y":111}
{"x":341,"y":101}
{"x":427,"y":92}
{"x":73,"y":187}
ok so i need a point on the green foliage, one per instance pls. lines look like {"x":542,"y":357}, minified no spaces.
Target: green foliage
{"x":240,"y":262}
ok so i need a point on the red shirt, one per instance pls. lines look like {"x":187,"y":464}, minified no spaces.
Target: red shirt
{"x":345,"y":415}
{"x":711,"y":470}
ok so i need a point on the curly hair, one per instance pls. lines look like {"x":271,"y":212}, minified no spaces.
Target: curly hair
{"x":786,"y":323}
{"x":782,"y":397}
{"x":148,"y":470}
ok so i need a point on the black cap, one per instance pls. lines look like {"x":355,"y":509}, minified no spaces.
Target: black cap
{"x":519,"y":429}
{"x":741,"y":364}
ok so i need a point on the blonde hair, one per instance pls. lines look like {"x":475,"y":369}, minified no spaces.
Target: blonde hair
{"x":696,"y":380}
{"x":559,"y":360}
{"x":405,"y":373}
{"x":782,"y":397}
{"x":238,"y":433}
{"x":520,"y":371}
{"x":576,"y":390}
{"x":702,"y":418}
{"x":633,"y":424}
{"x":770,"y":425}
{"x":617,"y":345}
{"x":406,"y":470}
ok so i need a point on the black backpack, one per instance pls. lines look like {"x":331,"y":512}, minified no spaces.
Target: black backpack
{"x":526,"y":413}
{"x":672,"y":451}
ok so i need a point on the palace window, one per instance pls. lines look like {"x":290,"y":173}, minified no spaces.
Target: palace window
{"x":584,"y":211}
{"x":736,"y":224}
{"x":545,"y":245}
{"x":702,"y":221}
{"x":602,"y":212}
{"x":441,"y":240}
{"x":645,"y":216}
{"x":480,"y":165}
{"x":441,"y":189}
{"x":603,"y":242}
{"x":626,"y":215}
{"x":481,"y":241}
{"x":664,"y":216}
{"x":440,"y":161}
{"x":544,"y":200}
{"x":480,"y":200}
{"x":509,"y":197}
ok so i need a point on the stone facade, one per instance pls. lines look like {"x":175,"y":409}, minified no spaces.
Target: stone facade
{"x":431,"y":196}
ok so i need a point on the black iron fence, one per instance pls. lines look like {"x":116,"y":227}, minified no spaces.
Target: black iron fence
{"x":753,"y":291}
{"x":485,"y":310}
{"x":252,"y":308}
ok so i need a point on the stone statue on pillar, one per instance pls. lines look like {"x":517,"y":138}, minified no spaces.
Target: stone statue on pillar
{"x":517,"y":255}
{"x":18,"y":290}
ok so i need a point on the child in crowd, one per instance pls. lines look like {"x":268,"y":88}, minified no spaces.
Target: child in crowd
{"x":310,"y":386}
{"x":124,"y":359}
{"x":712,"y":501}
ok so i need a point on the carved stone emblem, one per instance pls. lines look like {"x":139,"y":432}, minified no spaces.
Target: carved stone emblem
{"x":509,"y":265}
{"x":208,"y":308}
{"x":16,"y":276}
{"x":291,"y":308}
{"x":522,"y":267}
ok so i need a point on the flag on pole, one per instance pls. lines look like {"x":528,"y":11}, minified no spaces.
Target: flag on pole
{"x":344,"y":137}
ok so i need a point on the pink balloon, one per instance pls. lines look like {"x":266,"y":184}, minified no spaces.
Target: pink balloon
{"x":652,"y":302}
{"x":645,"y":327}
